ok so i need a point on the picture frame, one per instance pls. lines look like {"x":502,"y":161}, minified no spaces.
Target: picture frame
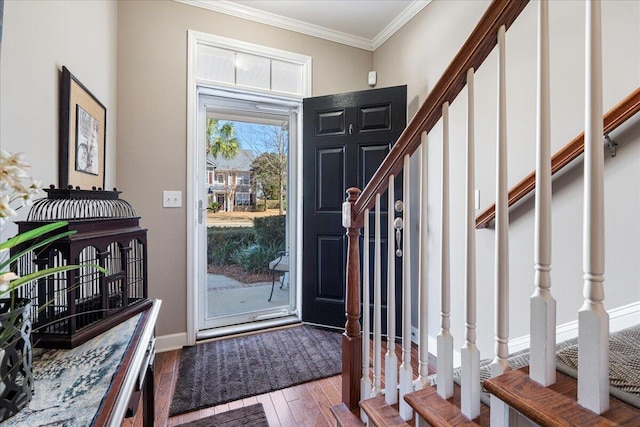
{"x":83,"y":122}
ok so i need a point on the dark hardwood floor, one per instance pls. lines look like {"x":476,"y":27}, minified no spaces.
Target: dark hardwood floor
{"x":302,"y":405}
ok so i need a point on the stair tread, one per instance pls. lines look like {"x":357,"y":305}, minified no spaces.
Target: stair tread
{"x":344,"y":417}
{"x":436,"y":410}
{"x":543,"y":405}
{"x":380,"y":413}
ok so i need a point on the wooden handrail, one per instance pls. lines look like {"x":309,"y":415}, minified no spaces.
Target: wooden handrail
{"x":614,"y":118}
{"x":471,"y":55}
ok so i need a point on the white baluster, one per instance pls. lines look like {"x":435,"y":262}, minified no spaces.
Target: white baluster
{"x":406,"y":372}
{"x":593,"y":319}
{"x":365,"y":382}
{"x":391,"y":360}
{"x":445,"y":339}
{"x":423,"y":294}
{"x":500,"y":364}
{"x":543,"y":305}
{"x":377,"y":303}
{"x":470,"y":355}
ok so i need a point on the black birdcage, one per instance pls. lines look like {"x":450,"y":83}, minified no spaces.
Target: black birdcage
{"x":71,"y":307}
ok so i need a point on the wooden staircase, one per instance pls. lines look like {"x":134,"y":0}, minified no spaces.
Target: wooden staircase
{"x":556,"y":405}
{"x":552,"y":406}
{"x":518,"y":397}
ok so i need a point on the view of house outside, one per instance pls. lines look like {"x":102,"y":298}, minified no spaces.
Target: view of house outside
{"x":246,"y":215}
{"x":246,"y":167}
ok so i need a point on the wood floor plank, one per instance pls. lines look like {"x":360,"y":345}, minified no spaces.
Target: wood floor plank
{"x":207,"y":412}
{"x":164,"y":391}
{"x":291,"y":393}
{"x":236,"y":404}
{"x":174,"y":421}
{"x":305,"y":408}
{"x":329,"y":388}
{"x":218,"y":409}
{"x":282,"y":409}
{"x":248,"y":401}
{"x":322,"y":400}
{"x":269,"y":409}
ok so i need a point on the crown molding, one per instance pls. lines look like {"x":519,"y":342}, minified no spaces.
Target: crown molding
{"x":412,"y":10}
{"x":249,"y":13}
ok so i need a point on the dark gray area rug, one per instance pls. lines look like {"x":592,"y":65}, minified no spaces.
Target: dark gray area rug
{"x":253,"y":416}
{"x":223,"y":371}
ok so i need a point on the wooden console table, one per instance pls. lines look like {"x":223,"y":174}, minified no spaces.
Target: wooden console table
{"x":134,"y":377}
{"x":98,"y":383}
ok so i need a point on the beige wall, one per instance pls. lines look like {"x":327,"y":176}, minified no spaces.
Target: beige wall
{"x":152,"y":72}
{"x":420,"y":52}
{"x":38,"y":38}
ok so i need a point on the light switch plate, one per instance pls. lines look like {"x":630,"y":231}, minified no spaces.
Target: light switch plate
{"x":477,"y":199}
{"x":172,"y":199}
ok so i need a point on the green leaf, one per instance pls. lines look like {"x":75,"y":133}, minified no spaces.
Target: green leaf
{"x":48,"y":272}
{"x":31,"y":234}
{"x":36,"y":246}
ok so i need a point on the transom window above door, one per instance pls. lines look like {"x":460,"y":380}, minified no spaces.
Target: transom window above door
{"x":226,"y":62}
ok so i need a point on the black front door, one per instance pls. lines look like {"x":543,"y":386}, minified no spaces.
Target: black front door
{"x":345,"y":138}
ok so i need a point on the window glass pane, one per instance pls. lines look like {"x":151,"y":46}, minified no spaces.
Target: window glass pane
{"x":286,"y":77}
{"x":216,"y":64}
{"x":220,"y":178}
{"x":242,"y":179}
{"x":242,"y":199}
{"x":253,"y":71}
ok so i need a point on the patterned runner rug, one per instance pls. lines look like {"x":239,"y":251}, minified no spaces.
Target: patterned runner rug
{"x":624,"y":364}
{"x":230,"y":369}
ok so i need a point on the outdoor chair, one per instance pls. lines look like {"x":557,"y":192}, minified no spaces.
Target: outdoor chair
{"x":280,"y":264}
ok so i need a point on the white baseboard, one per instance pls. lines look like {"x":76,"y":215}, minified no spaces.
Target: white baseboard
{"x":619,"y":318}
{"x":171,"y":342}
{"x":433,"y":346}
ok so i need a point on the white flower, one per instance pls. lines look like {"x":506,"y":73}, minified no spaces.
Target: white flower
{"x":35,"y":187}
{"x":8,"y":160}
{"x":15,"y":184}
{"x":13,"y":169}
{"x":5,"y":209}
{"x":5,"y":280}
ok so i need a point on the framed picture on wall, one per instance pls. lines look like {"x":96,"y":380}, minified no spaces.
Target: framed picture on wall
{"x":83,"y":121}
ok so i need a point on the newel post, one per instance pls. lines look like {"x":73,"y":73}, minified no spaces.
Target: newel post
{"x":352,"y":337}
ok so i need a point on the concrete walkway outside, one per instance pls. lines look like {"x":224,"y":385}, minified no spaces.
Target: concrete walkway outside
{"x":228,"y":296}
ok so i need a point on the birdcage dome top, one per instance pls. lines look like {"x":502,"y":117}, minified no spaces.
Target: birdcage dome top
{"x":74,"y":204}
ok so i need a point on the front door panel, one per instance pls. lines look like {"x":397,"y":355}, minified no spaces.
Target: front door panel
{"x":346,"y":137}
